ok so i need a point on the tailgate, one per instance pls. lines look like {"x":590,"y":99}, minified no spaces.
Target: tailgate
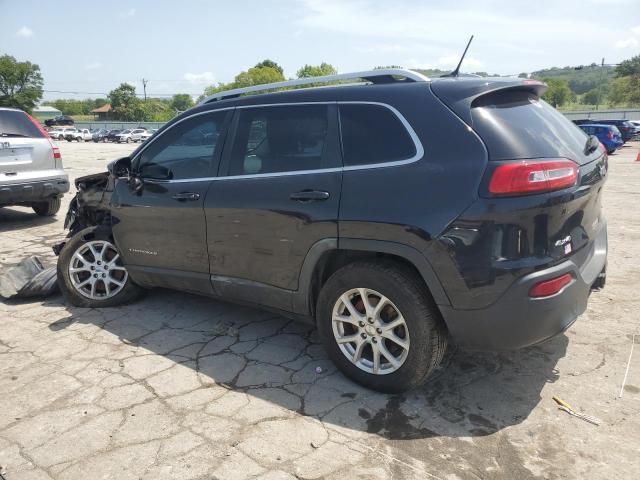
{"x":24,"y":155}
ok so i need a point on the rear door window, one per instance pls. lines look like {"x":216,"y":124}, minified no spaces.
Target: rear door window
{"x":281,"y":139}
{"x":517,"y":124}
{"x":17,"y":124}
{"x":373,"y":134}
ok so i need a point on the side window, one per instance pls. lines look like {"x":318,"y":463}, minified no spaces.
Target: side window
{"x":280,"y":139}
{"x":373,"y":134}
{"x":185,"y":150}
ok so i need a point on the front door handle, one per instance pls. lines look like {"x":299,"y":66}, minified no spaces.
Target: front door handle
{"x":186,"y":196}
{"x":309,"y":195}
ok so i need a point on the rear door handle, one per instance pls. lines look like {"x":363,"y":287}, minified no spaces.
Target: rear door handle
{"x":309,"y":195}
{"x":186,"y":196}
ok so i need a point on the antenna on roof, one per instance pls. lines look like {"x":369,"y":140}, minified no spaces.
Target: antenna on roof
{"x":456,"y":72}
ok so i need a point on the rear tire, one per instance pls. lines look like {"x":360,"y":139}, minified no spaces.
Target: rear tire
{"x":417,"y":344}
{"x":81,"y":265}
{"x":47,"y":208}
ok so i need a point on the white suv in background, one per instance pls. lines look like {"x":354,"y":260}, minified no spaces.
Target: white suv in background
{"x":61,"y":133}
{"x":31,"y":172}
{"x":130,"y":135}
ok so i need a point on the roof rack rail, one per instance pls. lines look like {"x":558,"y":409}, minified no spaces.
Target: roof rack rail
{"x":383,"y":75}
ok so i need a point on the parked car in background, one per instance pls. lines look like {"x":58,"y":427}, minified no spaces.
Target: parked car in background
{"x":59,"y":120}
{"x":80,"y":135}
{"x":609,"y":135}
{"x":100,"y":135}
{"x":31,"y":172}
{"x":146,"y":135}
{"x":367,"y":210}
{"x":113,"y":134}
{"x":61,"y":133}
{"x":636,"y":124}
{"x":130,"y":135}
{"x":627,"y":129}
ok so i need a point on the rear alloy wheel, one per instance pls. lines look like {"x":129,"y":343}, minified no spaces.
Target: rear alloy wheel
{"x":92,"y":273}
{"x":370,"y":331}
{"x":128,"y":140}
{"x":380,"y":326}
{"x":47,"y":208}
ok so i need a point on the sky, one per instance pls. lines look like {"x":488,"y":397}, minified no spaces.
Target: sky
{"x":180,"y":47}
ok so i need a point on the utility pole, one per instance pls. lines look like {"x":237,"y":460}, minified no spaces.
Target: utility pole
{"x":144,"y":89}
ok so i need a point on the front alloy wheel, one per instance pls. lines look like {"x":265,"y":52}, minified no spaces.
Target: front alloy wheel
{"x":96,"y":271}
{"x":370,"y":331}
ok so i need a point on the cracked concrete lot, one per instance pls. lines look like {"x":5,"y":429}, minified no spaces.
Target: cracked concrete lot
{"x":177,"y":386}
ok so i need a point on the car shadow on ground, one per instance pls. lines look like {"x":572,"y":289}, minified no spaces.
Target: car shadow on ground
{"x":12,"y":219}
{"x":281,"y":361}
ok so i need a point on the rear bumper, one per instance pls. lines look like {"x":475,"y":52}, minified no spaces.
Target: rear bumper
{"x":35,"y":191}
{"x":516,"y":320}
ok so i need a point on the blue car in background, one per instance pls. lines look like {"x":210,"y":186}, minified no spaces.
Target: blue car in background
{"x":609,"y":135}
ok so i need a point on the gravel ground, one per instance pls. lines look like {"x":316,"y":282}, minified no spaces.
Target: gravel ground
{"x":177,"y":386}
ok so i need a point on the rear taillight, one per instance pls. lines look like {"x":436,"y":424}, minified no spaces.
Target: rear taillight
{"x":56,"y":152}
{"x":610,"y":135}
{"x":533,"y":176}
{"x":550,"y":287}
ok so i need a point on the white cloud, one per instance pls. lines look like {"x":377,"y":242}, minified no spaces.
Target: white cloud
{"x":93,"y":66}
{"x":24,"y":32}
{"x":627,"y":42}
{"x":204,"y":78}
{"x":636,"y":30}
{"x":129,"y":13}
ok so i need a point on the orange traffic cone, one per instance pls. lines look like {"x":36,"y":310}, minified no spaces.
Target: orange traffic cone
{"x":638,"y":157}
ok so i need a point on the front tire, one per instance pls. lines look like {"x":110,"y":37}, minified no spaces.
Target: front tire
{"x":380,"y":327}
{"x":91,"y":273}
{"x":47,"y":208}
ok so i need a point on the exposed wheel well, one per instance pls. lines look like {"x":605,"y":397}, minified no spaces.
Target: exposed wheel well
{"x":333,"y":260}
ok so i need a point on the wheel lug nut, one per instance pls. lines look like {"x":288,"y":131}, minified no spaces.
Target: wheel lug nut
{"x":95,"y":275}
{"x":99,"y":262}
{"x":374,"y":340}
{"x":379,"y":330}
{"x":361,"y":324}
{"x":104,"y":275}
{"x":363,"y":335}
{"x":370,"y":320}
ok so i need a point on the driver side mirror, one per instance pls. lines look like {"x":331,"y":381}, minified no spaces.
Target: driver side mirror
{"x":120,"y":168}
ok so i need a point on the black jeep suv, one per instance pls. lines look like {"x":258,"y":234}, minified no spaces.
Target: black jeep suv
{"x":396,"y":215}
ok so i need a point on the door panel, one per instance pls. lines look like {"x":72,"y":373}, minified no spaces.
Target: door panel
{"x":280,"y":195}
{"x":160,"y":228}
{"x":255,"y":231}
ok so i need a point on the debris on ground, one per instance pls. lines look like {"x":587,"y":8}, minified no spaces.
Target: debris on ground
{"x":564,"y":406}
{"x":30,"y":278}
{"x":318,"y":370}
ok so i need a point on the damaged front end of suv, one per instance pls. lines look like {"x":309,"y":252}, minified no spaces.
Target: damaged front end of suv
{"x":91,"y":206}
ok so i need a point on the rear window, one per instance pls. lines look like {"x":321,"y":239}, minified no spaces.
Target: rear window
{"x":517,"y":124}
{"x":373,"y":134}
{"x":16,"y":123}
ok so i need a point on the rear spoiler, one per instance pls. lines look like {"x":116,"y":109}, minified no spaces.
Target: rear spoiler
{"x":460,"y":93}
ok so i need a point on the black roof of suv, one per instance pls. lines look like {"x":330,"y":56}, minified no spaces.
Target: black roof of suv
{"x":396,"y":215}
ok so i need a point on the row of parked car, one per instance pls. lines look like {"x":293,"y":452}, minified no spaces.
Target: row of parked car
{"x":128,"y":135}
{"x":613,"y":134}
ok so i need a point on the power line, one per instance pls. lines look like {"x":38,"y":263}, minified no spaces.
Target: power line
{"x":106,"y":94}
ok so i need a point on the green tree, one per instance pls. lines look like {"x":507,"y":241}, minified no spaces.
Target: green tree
{"x":592,"y":97}
{"x":20,"y":83}
{"x":270,"y":64}
{"x":625,"y":91}
{"x":157,"y":110}
{"x":558,"y":92}
{"x":257,"y":76}
{"x":126,"y":105}
{"x":316,"y":70}
{"x":629,"y":67}
{"x":181,"y":102}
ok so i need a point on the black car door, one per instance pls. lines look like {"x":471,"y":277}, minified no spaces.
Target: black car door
{"x":159,"y":227}
{"x":277,"y":194}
